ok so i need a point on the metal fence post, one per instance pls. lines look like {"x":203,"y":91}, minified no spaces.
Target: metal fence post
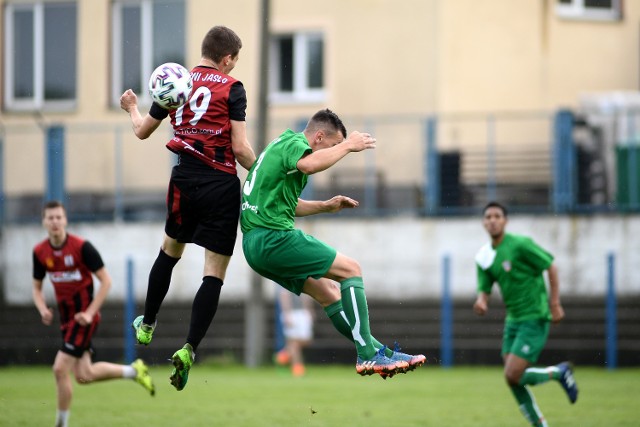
{"x":492,"y":186}
{"x":118,"y":214}
{"x":632,"y":161}
{"x":564,"y":176}
{"x":55,"y":163}
{"x":612,"y":315}
{"x":446,"y":320}
{"x":432,"y":166}
{"x":279,"y":341}
{"x":129,"y":313}
{"x":2,"y":169}
{"x":371,"y":176}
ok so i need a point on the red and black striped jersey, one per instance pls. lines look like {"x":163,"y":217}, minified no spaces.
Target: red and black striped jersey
{"x":202,"y":126}
{"x":70,"y":268}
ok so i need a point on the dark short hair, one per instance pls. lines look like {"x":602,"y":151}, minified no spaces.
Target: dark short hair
{"x":52,"y":204}
{"x":494,"y":204}
{"x":219,"y":42}
{"x":328,"y":120}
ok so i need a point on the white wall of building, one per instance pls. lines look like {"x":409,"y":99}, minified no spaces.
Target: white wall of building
{"x":401,"y":258}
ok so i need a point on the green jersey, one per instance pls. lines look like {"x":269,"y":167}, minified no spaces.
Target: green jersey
{"x":516,"y":265}
{"x":270,"y":193}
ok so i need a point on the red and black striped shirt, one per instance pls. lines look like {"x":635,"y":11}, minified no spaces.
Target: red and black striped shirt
{"x":70,"y":269}
{"x":202,"y":126}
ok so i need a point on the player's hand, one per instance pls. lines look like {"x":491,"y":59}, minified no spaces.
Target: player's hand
{"x":557,"y":313}
{"x":128,"y":99}
{"x":358,"y":141}
{"x":337,"y":203}
{"x":47,"y":316}
{"x":480,"y":307}
{"x":83,"y":318}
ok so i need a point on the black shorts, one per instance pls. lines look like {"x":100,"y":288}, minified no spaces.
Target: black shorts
{"x":203,"y":208}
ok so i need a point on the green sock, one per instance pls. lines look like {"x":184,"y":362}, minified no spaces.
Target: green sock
{"x":528,"y":406}
{"x":534,"y":376}
{"x":338,"y":319}
{"x":335,"y":313}
{"x":354,"y":304}
{"x":555,"y":372}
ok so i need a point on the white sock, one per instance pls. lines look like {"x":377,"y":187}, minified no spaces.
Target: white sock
{"x":62,"y":418}
{"x":128,"y":372}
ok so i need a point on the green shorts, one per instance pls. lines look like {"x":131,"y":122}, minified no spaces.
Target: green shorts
{"x":525,"y":339}
{"x":288,"y":257}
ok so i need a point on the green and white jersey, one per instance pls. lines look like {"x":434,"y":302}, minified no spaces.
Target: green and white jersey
{"x":516,"y":265}
{"x":270,"y":193}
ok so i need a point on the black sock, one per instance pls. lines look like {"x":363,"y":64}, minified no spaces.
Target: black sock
{"x":159,"y":281}
{"x":205,"y":305}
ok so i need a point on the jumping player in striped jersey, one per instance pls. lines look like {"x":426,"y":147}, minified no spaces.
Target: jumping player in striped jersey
{"x":275,"y":249}
{"x":71,"y":263}
{"x":203,"y":200}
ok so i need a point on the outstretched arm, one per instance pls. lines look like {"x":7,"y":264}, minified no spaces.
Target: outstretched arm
{"x":334,"y":204}
{"x":143,"y":127}
{"x":323,"y":159}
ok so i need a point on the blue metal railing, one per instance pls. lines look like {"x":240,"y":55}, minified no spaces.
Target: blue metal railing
{"x":527,"y":160}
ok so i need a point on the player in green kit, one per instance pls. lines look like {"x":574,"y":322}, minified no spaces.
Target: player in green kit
{"x":517,"y":264}
{"x":299,"y":262}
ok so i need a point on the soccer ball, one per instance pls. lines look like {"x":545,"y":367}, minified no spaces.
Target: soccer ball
{"x":170,"y":85}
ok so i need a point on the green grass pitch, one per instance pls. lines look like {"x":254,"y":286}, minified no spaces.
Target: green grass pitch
{"x":326,"y":396}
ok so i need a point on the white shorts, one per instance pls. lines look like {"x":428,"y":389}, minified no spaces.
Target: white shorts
{"x":301,"y":327}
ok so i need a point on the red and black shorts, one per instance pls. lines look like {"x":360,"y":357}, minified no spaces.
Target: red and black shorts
{"x":203,"y":209}
{"x":76,"y":339}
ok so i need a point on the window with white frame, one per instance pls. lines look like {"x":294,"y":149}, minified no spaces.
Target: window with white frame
{"x":40,"y":44}
{"x":297,"y":61}
{"x":146,"y":33}
{"x":596,"y":10}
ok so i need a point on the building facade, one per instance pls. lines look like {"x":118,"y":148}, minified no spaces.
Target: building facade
{"x":384,"y":66}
